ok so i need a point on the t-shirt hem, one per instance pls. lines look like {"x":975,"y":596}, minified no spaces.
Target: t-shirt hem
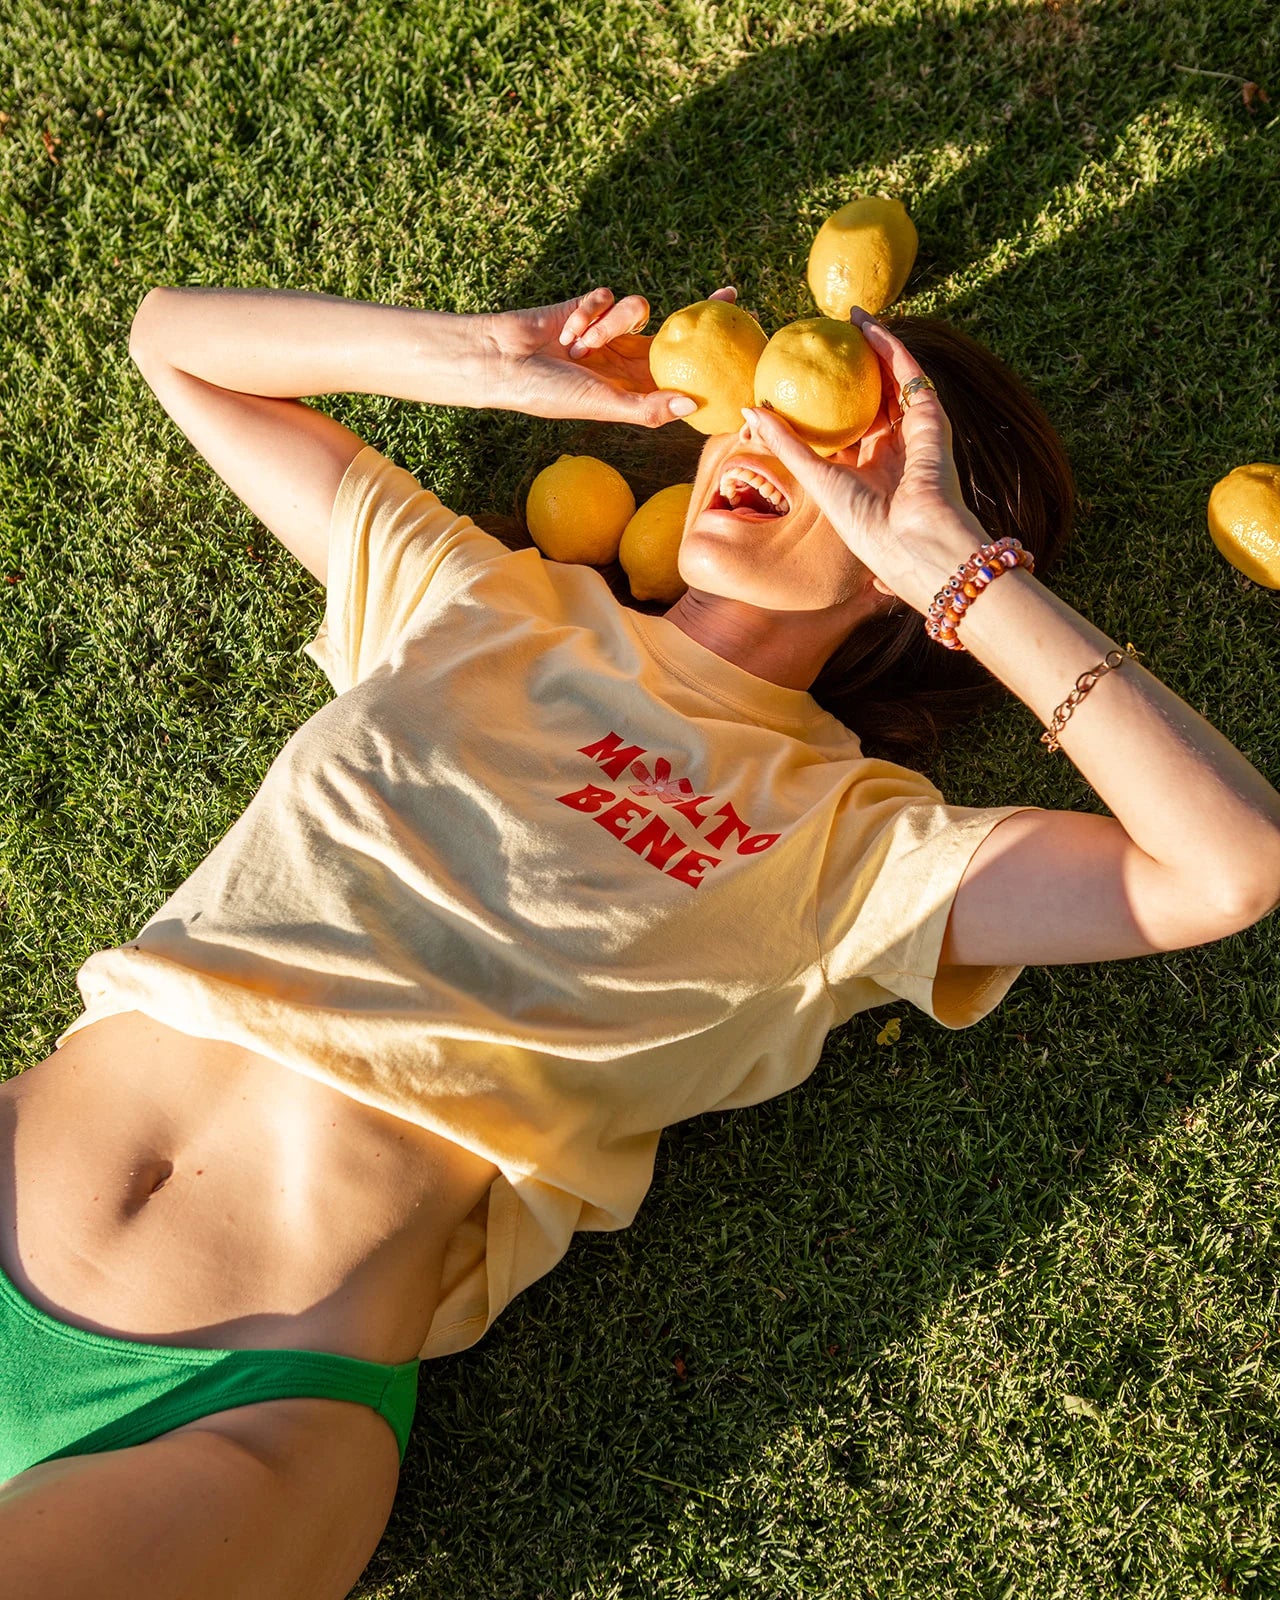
{"x":915,"y":978}
{"x":469,"y":1318}
{"x":991,"y":983}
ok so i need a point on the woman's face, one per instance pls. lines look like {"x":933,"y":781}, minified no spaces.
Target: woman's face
{"x":752,"y":534}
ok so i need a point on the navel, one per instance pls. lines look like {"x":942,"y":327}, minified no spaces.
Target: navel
{"x":161,"y":1176}
{"x":149,"y":1177}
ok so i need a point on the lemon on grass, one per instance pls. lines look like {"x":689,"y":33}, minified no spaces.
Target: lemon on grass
{"x":862,"y":256}
{"x":824,"y":378}
{"x":1244,"y":521}
{"x":709,"y":351}
{"x":650,"y":548}
{"x":577,"y":508}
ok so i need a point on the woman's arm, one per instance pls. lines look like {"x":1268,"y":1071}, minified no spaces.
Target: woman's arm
{"x":229,"y":366}
{"x":1192,"y":849}
{"x":287,"y":343}
{"x":1193,"y":852}
{"x":582,"y":358}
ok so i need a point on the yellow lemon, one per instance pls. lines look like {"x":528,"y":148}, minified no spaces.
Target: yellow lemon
{"x":709,"y":351}
{"x":650,"y":546}
{"x":577,"y":508}
{"x":862,"y":256}
{"x":1244,"y":521}
{"x":824,"y":378}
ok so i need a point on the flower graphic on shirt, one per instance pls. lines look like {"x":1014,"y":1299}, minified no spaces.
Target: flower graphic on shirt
{"x":658,"y":782}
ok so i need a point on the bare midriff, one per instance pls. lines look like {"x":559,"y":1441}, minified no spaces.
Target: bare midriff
{"x":174,"y":1190}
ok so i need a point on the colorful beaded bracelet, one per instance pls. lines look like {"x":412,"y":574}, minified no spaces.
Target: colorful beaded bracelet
{"x":955,"y":597}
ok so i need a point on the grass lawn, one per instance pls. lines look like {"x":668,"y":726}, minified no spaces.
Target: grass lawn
{"x":992,"y":1313}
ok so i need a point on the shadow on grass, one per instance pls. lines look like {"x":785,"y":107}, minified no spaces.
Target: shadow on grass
{"x":788,"y":1254}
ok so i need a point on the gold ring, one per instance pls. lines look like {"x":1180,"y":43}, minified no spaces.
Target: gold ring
{"x":913,"y":386}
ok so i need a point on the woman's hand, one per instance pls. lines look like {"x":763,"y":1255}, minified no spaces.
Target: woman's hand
{"x":585,"y":358}
{"x":894,"y":496}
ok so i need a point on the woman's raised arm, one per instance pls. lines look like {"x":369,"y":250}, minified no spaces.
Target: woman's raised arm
{"x":230,"y":367}
{"x":287,"y":343}
{"x":1192,"y":850}
{"x":583,"y":357}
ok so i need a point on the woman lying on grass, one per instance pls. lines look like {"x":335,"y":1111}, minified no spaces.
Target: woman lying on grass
{"x":546,"y":876}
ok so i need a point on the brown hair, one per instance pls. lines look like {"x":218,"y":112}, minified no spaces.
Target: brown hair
{"x":889,"y":682}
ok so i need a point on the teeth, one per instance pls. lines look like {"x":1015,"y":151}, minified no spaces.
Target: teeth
{"x":732,"y":483}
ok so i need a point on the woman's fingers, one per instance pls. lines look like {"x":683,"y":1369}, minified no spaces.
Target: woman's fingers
{"x":818,"y":478}
{"x":652,"y":409}
{"x":663,"y":404}
{"x":583,"y":312}
{"x":595,"y":319}
{"x":926,"y":433}
{"x":598,"y":320}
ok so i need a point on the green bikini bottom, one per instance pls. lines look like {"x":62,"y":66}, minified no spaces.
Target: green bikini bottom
{"x":67,"y":1392}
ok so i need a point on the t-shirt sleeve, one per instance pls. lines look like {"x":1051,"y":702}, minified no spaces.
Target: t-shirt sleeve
{"x":391,"y":545}
{"x":886,"y":918}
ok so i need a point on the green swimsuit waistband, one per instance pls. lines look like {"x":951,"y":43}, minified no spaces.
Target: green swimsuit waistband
{"x":65,"y":1391}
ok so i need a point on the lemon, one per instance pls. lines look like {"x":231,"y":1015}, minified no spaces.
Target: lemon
{"x":862,"y":256}
{"x":1244,"y":521}
{"x":651,"y":544}
{"x":577,"y":508}
{"x":709,"y":351}
{"x":824,"y":378}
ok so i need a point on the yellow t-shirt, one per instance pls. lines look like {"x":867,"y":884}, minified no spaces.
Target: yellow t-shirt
{"x":545,"y":877}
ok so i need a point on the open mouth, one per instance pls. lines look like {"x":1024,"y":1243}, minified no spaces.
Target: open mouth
{"x":749,"y":494}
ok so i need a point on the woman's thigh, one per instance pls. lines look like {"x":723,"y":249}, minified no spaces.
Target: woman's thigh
{"x":279,"y":1500}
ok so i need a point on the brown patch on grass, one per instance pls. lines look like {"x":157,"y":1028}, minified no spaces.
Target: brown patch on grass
{"x":1043,"y":38}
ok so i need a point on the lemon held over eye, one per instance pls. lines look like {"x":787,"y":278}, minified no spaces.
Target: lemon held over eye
{"x":650,"y":549}
{"x":709,"y":351}
{"x":577,"y":508}
{"x":862,"y":256}
{"x":823,"y":377}
{"x":1244,"y":521}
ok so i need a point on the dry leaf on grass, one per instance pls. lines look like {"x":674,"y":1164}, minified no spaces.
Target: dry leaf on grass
{"x":1076,"y":1405}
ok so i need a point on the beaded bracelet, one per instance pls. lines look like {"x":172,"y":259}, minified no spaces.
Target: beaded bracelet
{"x":955,"y":597}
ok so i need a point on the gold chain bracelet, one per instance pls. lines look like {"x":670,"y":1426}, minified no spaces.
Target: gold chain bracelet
{"x":1085,"y":682}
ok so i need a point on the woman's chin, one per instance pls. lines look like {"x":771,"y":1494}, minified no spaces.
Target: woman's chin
{"x":722,"y":588}
{"x":711,"y":575}
{"x":715,"y":564}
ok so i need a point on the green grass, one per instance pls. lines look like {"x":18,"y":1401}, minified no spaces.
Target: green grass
{"x":981,"y":1314}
